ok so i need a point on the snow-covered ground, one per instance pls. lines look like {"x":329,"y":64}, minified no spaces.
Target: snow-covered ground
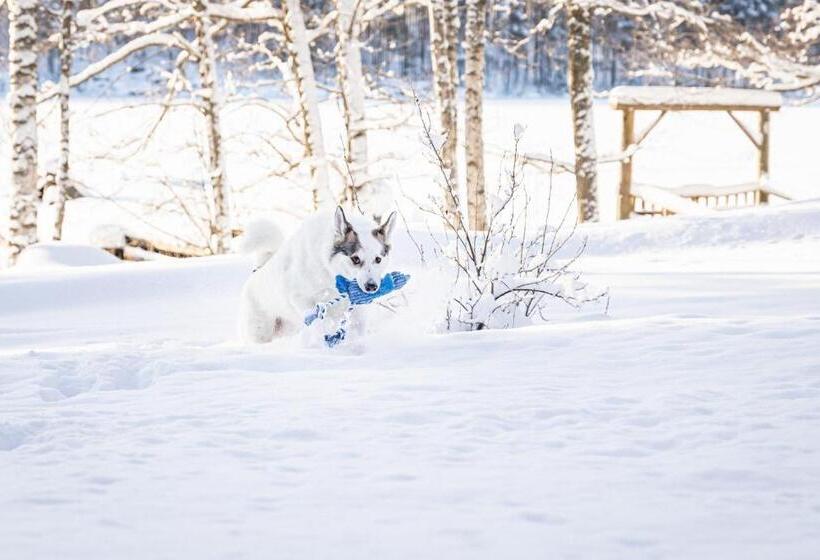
{"x":684,"y":424}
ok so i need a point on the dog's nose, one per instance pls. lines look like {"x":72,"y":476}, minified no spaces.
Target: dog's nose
{"x":370,"y":286}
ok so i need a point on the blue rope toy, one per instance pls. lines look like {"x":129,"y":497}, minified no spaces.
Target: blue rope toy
{"x":349,"y":290}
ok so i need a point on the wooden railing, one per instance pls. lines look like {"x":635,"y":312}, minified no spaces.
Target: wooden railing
{"x":649,"y":200}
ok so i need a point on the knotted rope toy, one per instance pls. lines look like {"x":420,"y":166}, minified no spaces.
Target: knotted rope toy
{"x":350,"y":291}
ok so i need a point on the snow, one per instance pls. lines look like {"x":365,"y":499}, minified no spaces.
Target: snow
{"x":630,"y":96}
{"x":682,"y":425}
{"x":257,"y":11}
{"x":86,"y":17}
{"x":724,"y":190}
{"x":775,"y":225}
{"x":52,"y":254}
{"x":663,"y":198}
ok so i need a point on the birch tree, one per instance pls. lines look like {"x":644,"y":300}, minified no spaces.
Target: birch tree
{"x":209,"y":106}
{"x":303,"y":84}
{"x":474,"y":104}
{"x":352,"y":88}
{"x":63,"y":173}
{"x":579,"y":81}
{"x":444,"y":22}
{"x":23,"y":198}
{"x":453,"y":24}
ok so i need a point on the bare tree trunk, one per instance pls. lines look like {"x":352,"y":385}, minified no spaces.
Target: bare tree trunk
{"x":303,"y":87}
{"x":474,"y":105}
{"x":579,"y":52}
{"x":451,"y":30}
{"x":58,"y":197}
{"x":352,"y":86}
{"x":529,"y":63}
{"x":22,"y":219}
{"x":220,"y":223}
{"x":443,"y":16}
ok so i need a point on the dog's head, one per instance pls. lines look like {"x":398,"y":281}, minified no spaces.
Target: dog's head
{"x":361,"y":249}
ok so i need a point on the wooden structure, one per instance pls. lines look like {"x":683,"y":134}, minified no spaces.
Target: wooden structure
{"x":630,"y":99}
{"x":136,"y":247}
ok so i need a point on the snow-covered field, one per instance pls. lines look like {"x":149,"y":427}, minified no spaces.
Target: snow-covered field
{"x":683,"y":424}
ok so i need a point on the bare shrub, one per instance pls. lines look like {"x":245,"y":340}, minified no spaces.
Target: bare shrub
{"x":509,"y":274}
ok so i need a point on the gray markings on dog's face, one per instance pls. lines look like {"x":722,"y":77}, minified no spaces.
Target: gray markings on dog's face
{"x":378,"y":233}
{"x":347,"y":245}
{"x":382,"y":233}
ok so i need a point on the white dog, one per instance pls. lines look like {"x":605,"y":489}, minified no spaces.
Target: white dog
{"x":292,"y":277}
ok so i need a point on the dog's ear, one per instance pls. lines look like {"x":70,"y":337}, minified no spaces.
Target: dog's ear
{"x":343,"y":227}
{"x":389,"y":224}
{"x":383,"y":232}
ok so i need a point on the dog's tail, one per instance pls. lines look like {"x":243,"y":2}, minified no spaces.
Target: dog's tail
{"x":262,"y":238}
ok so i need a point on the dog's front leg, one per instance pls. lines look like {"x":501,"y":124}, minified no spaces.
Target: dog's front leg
{"x":358,"y":322}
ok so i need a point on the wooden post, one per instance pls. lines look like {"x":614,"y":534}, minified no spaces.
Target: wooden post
{"x":625,"y":190}
{"x":763,"y":158}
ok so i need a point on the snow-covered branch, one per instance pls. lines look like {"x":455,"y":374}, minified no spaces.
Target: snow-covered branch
{"x":133,"y":46}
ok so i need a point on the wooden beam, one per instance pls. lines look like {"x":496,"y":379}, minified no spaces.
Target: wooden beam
{"x":673,"y":107}
{"x":693,"y":98}
{"x":168,"y":249}
{"x":745,"y":130}
{"x":645,"y":132}
{"x":625,"y":202}
{"x":763,"y":157}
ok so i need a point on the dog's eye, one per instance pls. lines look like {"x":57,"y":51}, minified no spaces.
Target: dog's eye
{"x":378,"y":260}
{"x":356,"y":260}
